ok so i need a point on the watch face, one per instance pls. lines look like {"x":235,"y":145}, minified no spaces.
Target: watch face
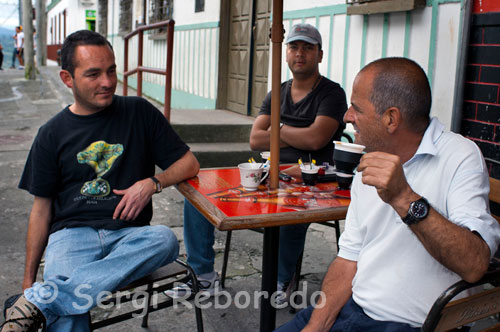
{"x":419,"y":209}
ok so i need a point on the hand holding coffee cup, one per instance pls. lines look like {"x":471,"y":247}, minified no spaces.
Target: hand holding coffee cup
{"x":251,"y":175}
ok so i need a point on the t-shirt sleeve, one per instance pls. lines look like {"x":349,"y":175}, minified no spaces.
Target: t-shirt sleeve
{"x":168,"y":147}
{"x":333,"y":104}
{"x":265,"y":108}
{"x":41,"y":173}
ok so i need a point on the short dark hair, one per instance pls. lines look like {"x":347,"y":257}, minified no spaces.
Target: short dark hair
{"x":402,"y":83}
{"x":78,"y":38}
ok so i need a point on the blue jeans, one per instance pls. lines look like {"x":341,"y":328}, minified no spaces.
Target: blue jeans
{"x":83,"y":264}
{"x":350,"y":319}
{"x":199,"y":240}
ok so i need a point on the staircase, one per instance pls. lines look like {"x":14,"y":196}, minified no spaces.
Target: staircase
{"x":217,"y":138}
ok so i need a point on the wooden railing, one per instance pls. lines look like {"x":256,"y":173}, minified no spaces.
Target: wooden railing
{"x":140,"y":68}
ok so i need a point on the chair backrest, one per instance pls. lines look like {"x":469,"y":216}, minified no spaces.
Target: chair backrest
{"x":495,"y":198}
{"x":445,"y":315}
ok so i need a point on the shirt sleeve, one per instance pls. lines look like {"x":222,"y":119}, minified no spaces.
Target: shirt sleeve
{"x":41,"y":173}
{"x":334,"y":104}
{"x":468,"y":202}
{"x":168,"y":147}
{"x":265,"y":108}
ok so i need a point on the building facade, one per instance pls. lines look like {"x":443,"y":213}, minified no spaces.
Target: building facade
{"x":66,"y":16}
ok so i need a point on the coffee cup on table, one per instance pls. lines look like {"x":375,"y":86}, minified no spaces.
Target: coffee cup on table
{"x":251,"y":175}
{"x":309,"y":174}
{"x":346,"y":156}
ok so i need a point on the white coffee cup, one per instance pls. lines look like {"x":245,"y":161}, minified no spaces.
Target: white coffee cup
{"x":251,"y":175}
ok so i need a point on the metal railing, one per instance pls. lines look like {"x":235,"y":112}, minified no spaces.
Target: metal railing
{"x":140,"y":68}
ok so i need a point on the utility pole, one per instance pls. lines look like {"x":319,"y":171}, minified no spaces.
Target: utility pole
{"x":41,"y":33}
{"x":29,"y":63}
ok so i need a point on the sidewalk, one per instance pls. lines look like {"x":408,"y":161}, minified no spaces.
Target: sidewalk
{"x":24,"y":107}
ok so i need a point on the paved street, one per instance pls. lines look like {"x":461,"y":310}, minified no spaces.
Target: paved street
{"x":24,"y":106}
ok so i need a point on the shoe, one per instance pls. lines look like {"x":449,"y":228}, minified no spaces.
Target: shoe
{"x":206,"y":286}
{"x":281,"y":293}
{"x":20,"y":67}
{"x":21,"y":315}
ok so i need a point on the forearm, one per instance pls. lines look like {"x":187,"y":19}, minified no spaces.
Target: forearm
{"x":337,"y":288}
{"x":36,"y":239}
{"x":261,"y":140}
{"x":310,"y":138}
{"x":457,"y":248}
{"x":184,"y":168}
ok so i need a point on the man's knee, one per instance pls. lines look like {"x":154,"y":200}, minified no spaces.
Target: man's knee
{"x":164,"y":239}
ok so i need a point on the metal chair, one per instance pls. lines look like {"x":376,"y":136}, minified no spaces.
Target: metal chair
{"x":153,"y":284}
{"x":445,"y":315}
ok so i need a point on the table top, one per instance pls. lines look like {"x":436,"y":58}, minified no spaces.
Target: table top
{"x":218,"y":195}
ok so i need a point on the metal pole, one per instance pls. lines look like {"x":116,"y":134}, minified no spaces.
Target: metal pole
{"x":277,"y":39}
{"x":139,"y":63}
{"x":168,"y":75}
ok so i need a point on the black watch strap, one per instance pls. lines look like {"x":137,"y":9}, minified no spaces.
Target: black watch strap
{"x":417,"y":211}
{"x":157,"y":183}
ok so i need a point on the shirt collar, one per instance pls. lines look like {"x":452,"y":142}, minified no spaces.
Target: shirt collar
{"x":431,"y":136}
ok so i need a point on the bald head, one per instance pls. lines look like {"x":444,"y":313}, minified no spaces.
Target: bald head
{"x":401,"y":83}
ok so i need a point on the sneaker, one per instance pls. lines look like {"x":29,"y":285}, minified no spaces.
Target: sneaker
{"x":20,"y":67}
{"x":281,"y":293}
{"x":208,"y":286}
{"x":21,"y":315}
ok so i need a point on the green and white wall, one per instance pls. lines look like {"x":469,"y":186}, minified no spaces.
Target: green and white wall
{"x":196,"y":47}
{"x":430,"y":36}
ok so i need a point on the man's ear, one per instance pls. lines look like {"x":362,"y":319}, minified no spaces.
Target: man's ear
{"x":392,"y":119}
{"x":66,"y":78}
{"x":320,"y":56}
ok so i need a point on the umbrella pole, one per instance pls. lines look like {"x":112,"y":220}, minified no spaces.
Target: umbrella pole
{"x":276,"y":39}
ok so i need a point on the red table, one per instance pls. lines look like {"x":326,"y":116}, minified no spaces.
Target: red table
{"x":217,"y":194}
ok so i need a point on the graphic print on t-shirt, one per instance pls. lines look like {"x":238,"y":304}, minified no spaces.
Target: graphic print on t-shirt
{"x":100,"y":156}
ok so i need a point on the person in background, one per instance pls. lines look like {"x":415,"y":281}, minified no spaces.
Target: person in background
{"x":1,"y":56}
{"x":419,"y":216}
{"x":312,"y":108}
{"x":91,"y":169}
{"x":20,"y":46}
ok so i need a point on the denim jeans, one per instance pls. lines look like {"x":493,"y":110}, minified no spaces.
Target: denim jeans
{"x":350,"y":319}
{"x":83,"y":264}
{"x":199,"y":240}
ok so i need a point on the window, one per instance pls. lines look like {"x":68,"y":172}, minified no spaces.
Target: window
{"x":199,"y":6}
{"x":161,"y":10}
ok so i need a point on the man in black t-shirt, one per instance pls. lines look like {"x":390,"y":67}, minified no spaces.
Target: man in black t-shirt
{"x":312,"y":111}
{"x":91,"y":169}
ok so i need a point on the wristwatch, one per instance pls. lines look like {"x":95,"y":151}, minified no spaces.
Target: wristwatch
{"x":418,"y":211}
{"x":157,"y":183}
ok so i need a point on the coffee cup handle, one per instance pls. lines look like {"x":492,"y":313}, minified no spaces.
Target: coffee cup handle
{"x":264,"y":177}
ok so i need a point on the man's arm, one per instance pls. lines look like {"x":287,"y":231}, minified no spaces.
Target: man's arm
{"x":337,"y":288}
{"x":139,"y":194}
{"x":36,"y":239}
{"x":457,"y":248}
{"x":310,"y":138}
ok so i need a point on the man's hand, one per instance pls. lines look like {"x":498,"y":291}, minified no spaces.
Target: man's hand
{"x":384,"y":171}
{"x":134,"y":199}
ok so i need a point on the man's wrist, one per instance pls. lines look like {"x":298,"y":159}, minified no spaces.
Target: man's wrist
{"x":157,"y":185}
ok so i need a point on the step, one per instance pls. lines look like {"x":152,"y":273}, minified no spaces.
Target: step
{"x":213,"y":133}
{"x":222,"y":154}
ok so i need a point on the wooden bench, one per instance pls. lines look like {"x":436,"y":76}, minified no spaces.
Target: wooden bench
{"x":152,"y":285}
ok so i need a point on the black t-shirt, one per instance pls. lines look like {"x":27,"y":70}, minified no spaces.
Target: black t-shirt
{"x":79,"y":160}
{"x":328,"y":99}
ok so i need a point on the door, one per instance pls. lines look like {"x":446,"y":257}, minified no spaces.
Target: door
{"x":248,"y":53}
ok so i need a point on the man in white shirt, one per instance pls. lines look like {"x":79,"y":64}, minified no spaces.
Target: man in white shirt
{"x":419,"y":217}
{"x":20,"y":46}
